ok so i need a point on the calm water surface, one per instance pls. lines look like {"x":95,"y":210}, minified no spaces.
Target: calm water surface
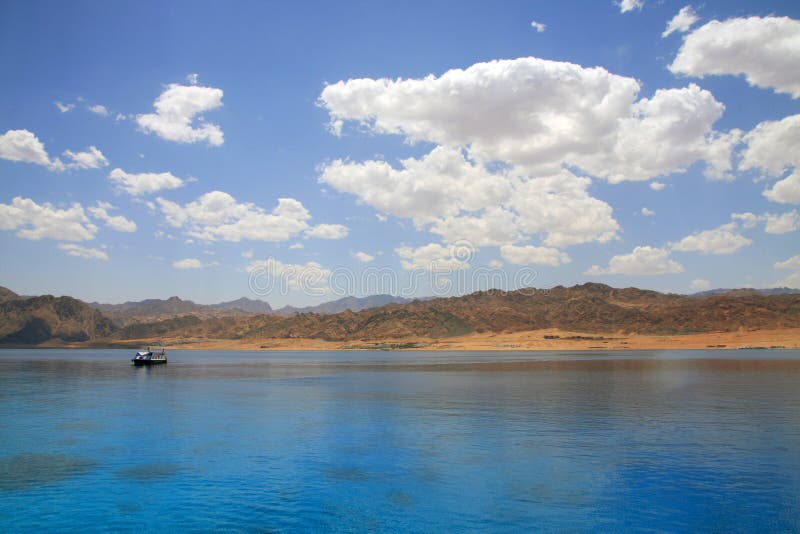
{"x":411,"y":441}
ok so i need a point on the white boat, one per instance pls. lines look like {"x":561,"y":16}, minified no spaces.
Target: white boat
{"x":150,"y":357}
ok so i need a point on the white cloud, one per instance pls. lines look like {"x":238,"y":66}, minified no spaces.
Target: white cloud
{"x":681,"y":22}
{"x":363,"y":257}
{"x":247,"y":254}
{"x":783,"y":223}
{"x":540,"y":116}
{"x":793,"y":280}
{"x":529,"y":254}
{"x":786,"y":191}
{"x":773,"y":148}
{"x":642,"y":261}
{"x":145,"y":182}
{"x":188,"y":263}
{"x":296,"y":246}
{"x":91,"y":158}
{"x":657,"y":186}
{"x":698,"y":284}
{"x":747,"y":219}
{"x":791,"y":263}
{"x":458,"y":199}
{"x":431,"y":257}
{"x":721,"y":240}
{"x":765,"y":50}
{"x":218,"y":216}
{"x":177,"y":117}
{"x":647,"y":212}
{"x":328,"y":231}
{"x":561,"y":208}
{"x":192,"y":78}
{"x":83,"y":252}
{"x":24,"y":146}
{"x":64,"y":108}
{"x":496,"y":264}
{"x":98,"y":109}
{"x":116,"y":222}
{"x":44,"y":221}
{"x":538,"y":26}
{"x":311,"y":278}
{"x":629,"y":5}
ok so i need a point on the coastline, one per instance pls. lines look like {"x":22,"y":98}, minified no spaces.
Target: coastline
{"x":540,"y":340}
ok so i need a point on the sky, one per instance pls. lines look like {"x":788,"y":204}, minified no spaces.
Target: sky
{"x":301,"y":151}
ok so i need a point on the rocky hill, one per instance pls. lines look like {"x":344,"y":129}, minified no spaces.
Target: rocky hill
{"x":33,"y":320}
{"x":345,"y":303}
{"x":150,"y":310}
{"x":583,"y":308}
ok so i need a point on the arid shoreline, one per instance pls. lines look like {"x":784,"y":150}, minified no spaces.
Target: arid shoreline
{"x":549,"y":339}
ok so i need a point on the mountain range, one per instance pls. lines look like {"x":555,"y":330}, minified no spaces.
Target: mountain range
{"x":589,"y":307}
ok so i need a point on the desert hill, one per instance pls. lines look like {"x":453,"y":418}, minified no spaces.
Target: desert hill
{"x":589,"y":308}
{"x":584,"y":308}
{"x":34,"y":320}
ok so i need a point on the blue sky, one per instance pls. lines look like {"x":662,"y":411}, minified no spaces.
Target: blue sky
{"x":596,"y":150}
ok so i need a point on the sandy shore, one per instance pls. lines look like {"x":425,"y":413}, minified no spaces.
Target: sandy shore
{"x":530,"y":340}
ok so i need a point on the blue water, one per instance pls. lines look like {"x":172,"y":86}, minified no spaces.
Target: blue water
{"x":393,"y":442}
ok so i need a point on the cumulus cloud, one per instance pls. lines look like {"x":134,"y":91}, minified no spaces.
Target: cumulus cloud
{"x":698,"y":284}
{"x":657,"y":186}
{"x":793,"y":280}
{"x":773,"y":148}
{"x":116,"y":222}
{"x":459,"y":199}
{"x":541,"y":116}
{"x":363,"y":257}
{"x":431,"y":257}
{"x":765,"y":50}
{"x":643,"y":260}
{"x":98,"y":109}
{"x":782,"y":223}
{"x":178,"y":116}
{"x":217,"y":216}
{"x":791,"y":263}
{"x":91,"y":158}
{"x":145,"y":182}
{"x":24,"y":146}
{"x":538,"y":26}
{"x":722,"y":240}
{"x":626,"y":6}
{"x":64,"y":108}
{"x":44,"y":221}
{"x":681,"y":22}
{"x":647,"y":212}
{"x":83,"y":252}
{"x":328,"y":231}
{"x":188,"y":263}
{"x":311,"y":278}
{"x":529,"y":255}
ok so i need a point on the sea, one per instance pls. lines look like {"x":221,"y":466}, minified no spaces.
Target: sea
{"x":643,"y":441}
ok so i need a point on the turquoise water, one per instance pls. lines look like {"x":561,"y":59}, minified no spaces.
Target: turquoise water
{"x":394,"y":442}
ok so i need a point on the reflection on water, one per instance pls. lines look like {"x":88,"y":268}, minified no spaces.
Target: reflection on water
{"x":689,"y":440}
{"x":23,"y":471}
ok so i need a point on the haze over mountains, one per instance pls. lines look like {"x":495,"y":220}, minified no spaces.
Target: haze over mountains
{"x":584,"y":308}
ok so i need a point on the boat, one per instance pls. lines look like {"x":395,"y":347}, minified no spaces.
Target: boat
{"x":150,"y":357}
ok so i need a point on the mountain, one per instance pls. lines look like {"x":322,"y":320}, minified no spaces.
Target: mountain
{"x":6,"y":294}
{"x":158,"y":309}
{"x":345,"y":303}
{"x":36,"y":320}
{"x":584,"y":308}
{"x":748,"y":290}
{"x":245,"y":304}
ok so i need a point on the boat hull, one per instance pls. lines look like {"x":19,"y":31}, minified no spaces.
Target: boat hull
{"x":139,"y":363}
